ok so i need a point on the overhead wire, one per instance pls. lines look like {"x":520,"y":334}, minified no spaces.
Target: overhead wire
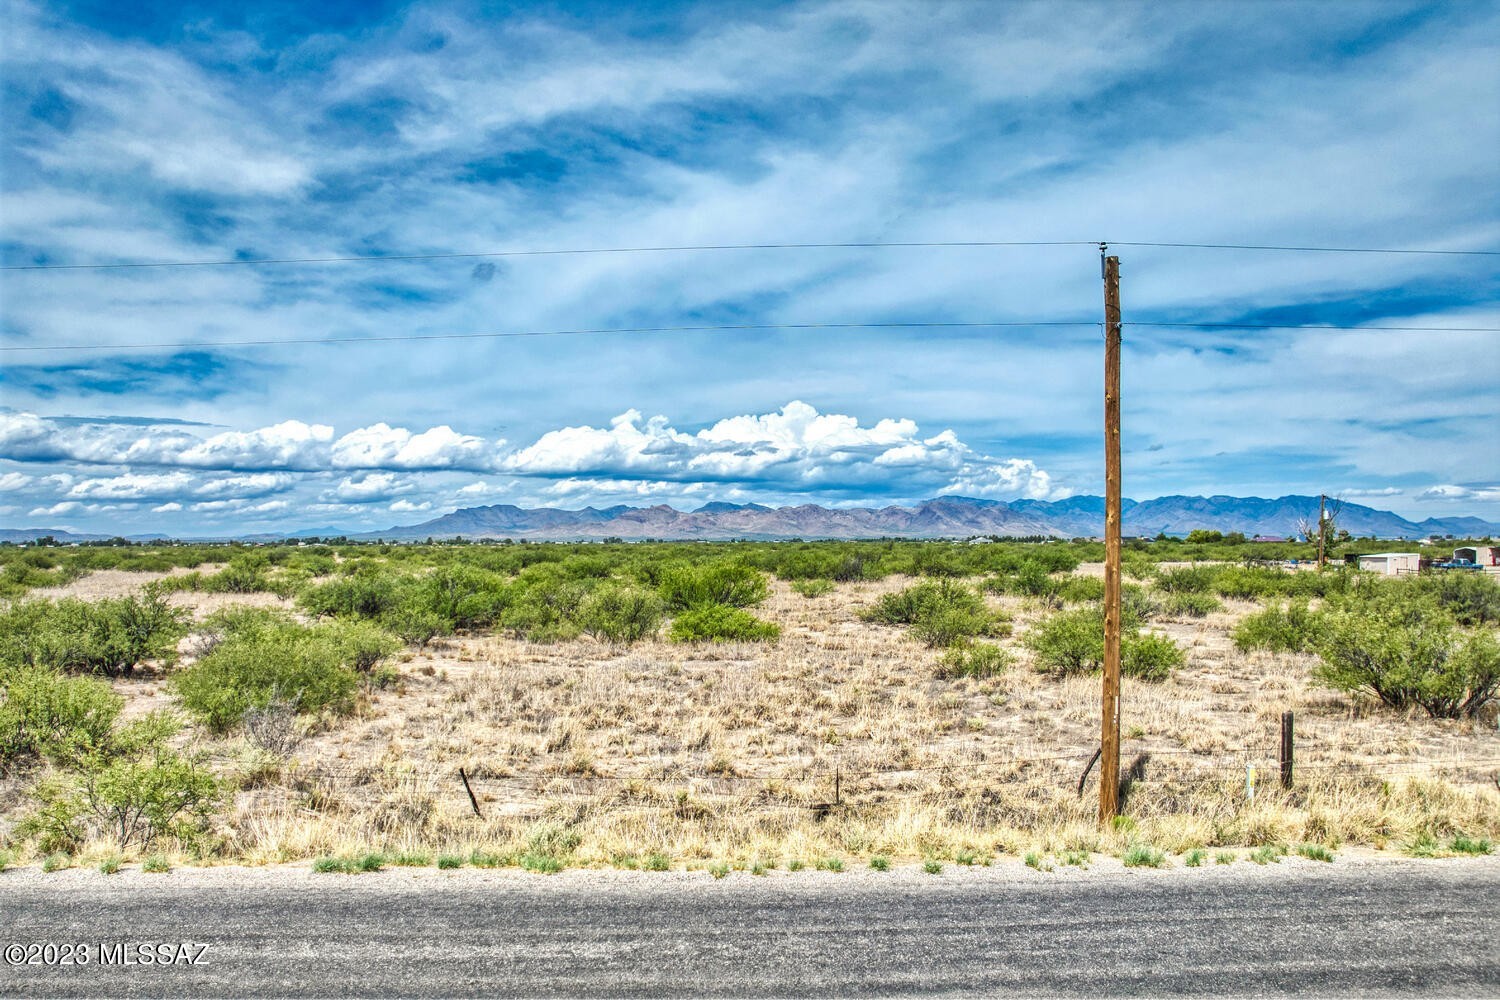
{"x":725,"y":328}
{"x":719,"y":247}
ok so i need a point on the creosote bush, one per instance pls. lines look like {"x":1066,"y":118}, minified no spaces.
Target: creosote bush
{"x":111,"y":636}
{"x":47,"y":715}
{"x":264,"y":656}
{"x":974,"y":659}
{"x":940,"y":613}
{"x":1406,"y":659}
{"x":721,"y":623}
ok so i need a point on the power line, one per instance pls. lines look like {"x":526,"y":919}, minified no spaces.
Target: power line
{"x":1296,"y":249}
{"x":713,"y":247}
{"x":556,"y":333}
{"x":374,"y":258}
{"x":727,"y":328}
{"x":1319,"y":326}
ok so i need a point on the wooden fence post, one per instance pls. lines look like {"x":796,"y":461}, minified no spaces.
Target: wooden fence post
{"x":472,"y":800}
{"x":1287,"y":749}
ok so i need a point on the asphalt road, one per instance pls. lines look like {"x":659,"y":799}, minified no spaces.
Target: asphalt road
{"x":1427,"y":928}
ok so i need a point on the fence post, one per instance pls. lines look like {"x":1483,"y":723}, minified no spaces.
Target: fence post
{"x":837,"y":783}
{"x":1287,"y":749}
{"x":472,"y":800}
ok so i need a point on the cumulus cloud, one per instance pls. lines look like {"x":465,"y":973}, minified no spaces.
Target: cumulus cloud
{"x":407,"y":507}
{"x":290,"y":445}
{"x":370,"y":487}
{"x":1449,"y":491}
{"x":794,"y":448}
{"x":380,"y":446}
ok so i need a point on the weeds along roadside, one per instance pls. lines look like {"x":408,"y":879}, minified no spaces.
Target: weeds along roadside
{"x":963,"y":664}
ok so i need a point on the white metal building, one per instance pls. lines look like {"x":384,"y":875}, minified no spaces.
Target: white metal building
{"x":1391,"y":563}
{"x":1483,"y":555}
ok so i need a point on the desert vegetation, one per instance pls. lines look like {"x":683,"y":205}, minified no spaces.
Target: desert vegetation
{"x":729,"y":706}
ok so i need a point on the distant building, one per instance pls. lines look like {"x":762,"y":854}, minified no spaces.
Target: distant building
{"x":1481,"y":555}
{"x":1391,"y":563}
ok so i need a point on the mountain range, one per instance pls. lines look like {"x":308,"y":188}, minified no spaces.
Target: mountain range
{"x":940,"y":517}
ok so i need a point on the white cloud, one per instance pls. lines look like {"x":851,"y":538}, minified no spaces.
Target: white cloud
{"x":171,"y":507}
{"x":370,"y":487}
{"x":794,"y":448}
{"x":290,"y":444}
{"x":65,"y":507}
{"x":1450,"y":492}
{"x":406,"y":506}
{"x":383,"y":447}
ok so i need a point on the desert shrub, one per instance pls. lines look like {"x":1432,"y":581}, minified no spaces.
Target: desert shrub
{"x":45,"y":714}
{"x":1252,"y":582}
{"x":1069,"y":642}
{"x":1409,"y":660}
{"x":547,"y":609}
{"x":1150,"y":657}
{"x":1072,"y":642}
{"x":462,"y":597}
{"x":245,"y":574}
{"x":940,"y":612}
{"x":1033,"y":580}
{"x":1137,"y":604}
{"x":1081,"y":589}
{"x":813,"y":588}
{"x":621,"y":614}
{"x":135,"y":788}
{"x":1188,"y":580}
{"x":975,"y":659}
{"x":416,"y":626}
{"x":1193,"y":605}
{"x":111,"y":636}
{"x":731,"y":584}
{"x":359,"y":595}
{"x":263,"y":656}
{"x":1471,"y":598}
{"x":1288,"y":628}
{"x":721,"y":623}
{"x":35,"y":569}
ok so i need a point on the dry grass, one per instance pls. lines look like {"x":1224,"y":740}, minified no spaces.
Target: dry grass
{"x":729,"y":752}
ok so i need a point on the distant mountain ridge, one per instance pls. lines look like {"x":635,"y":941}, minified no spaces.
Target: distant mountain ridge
{"x":940,"y":517}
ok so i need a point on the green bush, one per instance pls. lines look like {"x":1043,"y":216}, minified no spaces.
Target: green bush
{"x":621,"y":614}
{"x":734,"y":585}
{"x":721,"y":623}
{"x":1471,"y":598}
{"x":1188,"y":580}
{"x":1150,"y":657}
{"x":1253,"y":582}
{"x":1072,"y":642}
{"x":1408,"y":658}
{"x":1193,"y":605}
{"x":813,"y":588}
{"x":1289,"y":628}
{"x":940,"y":613}
{"x":135,"y":789}
{"x":1069,"y":642}
{"x":111,"y":636}
{"x":45,"y":714}
{"x":976,"y":659}
{"x":1081,"y":589}
{"x":263,"y":657}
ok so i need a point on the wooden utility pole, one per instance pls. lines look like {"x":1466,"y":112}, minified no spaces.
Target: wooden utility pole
{"x":1109,"y":735}
{"x":1322,"y":506}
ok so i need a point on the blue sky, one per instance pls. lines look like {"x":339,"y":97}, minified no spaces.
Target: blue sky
{"x":192,"y":132}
